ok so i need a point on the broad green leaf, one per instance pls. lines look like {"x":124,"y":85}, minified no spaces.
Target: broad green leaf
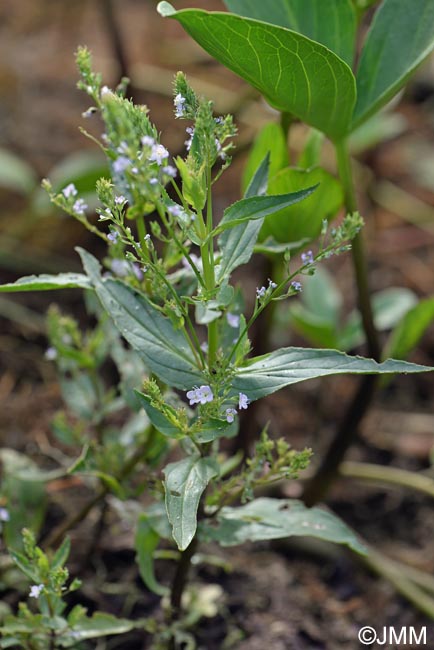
{"x":270,"y":142}
{"x":237,"y":244}
{"x":264,"y":375}
{"x":158,"y":419}
{"x":303,"y":221}
{"x":95,"y":626}
{"x":146,"y":541}
{"x":295,"y":74}
{"x":163,"y":349}
{"x":410,"y":329}
{"x":265,"y":519}
{"x":258,"y":207}
{"x":185,"y":483}
{"x":47,"y":283}
{"x":15,"y":173}
{"x":389,"y":307}
{"x":400,"y":38}
{"x":331,"y":23}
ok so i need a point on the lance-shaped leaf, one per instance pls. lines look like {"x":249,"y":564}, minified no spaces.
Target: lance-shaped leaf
{"x":47,"y":282}
{"x":331,"y":23}
{"x":164,"y":350}
{"x":185,"y":483}
{"x":265,"y":519}
{"x":270,"y":372}
{"x":400,"y":38}
{"x":93,"y":627}
{"x":146,"y":541}
{"x":410,"y":329}
{"x":259,"y":207}
{"x":159,"y":420}
{"x":294,"y":73}
{"x":237,"y":244}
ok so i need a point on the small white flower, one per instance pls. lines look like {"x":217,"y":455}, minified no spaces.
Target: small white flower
{"x":35,"y":591}
{"x":170,"y":171}
{"x":120,"y":200}
{"x":233,"y":320}
{"x":105,"y":90}
{"x":147,"y":141}
{"x":200,"y":395}
{"x":69,"y":191}
{"x":179,"y":102}
{"x":271,"y":285}
{"x":153,"y":181}
{"x":260,"y":293}
{"x":121,"y":164}
{"x":4,"y":514}
{"x":243,"y":401}
{"x":50,"y":354}
{"x":80,"y":207}
{"x":158,"y":154}
{"x":176,"y":211}
{"x":230,"y":415}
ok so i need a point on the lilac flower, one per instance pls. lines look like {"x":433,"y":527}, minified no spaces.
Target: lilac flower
{"x":138,"y":272}
{"x":188,"y":143}
{"x":120,"y":200}
{"x":296,"y":286}
{"x":158,"y":154}
{"x":80,"y":207}
{"x":69,"y":191}
{"x":121,"y":164}
{"x":243,"y":401}
{"x":233,"y":319}
{"x":147,"y":141}
{"x":35,"y":591}
{"x":175,"y":211}
{"x":230,"y":415}
{"x":260,"y":293}
{"x":170,"y":171}
{"x":153,"y":181}
{"x":134,"y":170}
{"x":271,"y":285}
{"x":179,"y":102}
{"x":204,"y":347}
{"x":113,"y":236}
{"x":4,"y":514}
{"x":120,"y":268}
{"x":307,"y":258}
{"x":195,"y":259}
{"x":50,"y":353}
{"x":200,"y":395}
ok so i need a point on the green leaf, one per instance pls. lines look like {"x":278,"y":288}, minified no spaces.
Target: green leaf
{"x":410,"y":329}
{"x":237,"y":244}
{"x":158,"y":419}
{"x":270,"y":142}
{"x":400,"y":38}
{"x":62,"y":554}
{"x":264,"y":375}
{"x":95,"y":626}
{"x":331,"y":23}
{"x":15,"y":173}
{"x":146,"y":541}
{"x":258,"y":207}
{"x":303,"y":221}
{"x":295,"y":74}
{"x":25,"y":565}
{"x":185,"y":483}
{"x":163,"y":349}
{"x":265,"y":519}
{"x":46,"y":282}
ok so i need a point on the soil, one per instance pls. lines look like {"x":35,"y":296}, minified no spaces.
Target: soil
{"x":277,"y":596}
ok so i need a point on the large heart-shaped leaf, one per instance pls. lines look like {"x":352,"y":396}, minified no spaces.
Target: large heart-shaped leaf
{"x":331,"y":23}
{"x":264,"y":375}
{"x":400,"y":38}
{"x":185,"y":483}
{"x":294,"y":73}
{"x":265,"y":519}
{"x":164,"y":349}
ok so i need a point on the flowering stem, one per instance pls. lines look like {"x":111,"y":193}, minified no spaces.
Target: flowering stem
{"x":358,"y":252}
{"x":141,"y":230}
{"x":207,"y":254}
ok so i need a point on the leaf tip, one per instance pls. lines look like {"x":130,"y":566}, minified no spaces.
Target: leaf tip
{"x":165,"y":9}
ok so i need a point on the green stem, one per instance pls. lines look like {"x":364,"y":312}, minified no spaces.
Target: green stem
{"x":358,"y":253}
{"x":207,"y":254}
{"x":141,"y":231}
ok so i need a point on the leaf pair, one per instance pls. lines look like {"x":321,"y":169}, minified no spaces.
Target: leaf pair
{"x":298,"y":53}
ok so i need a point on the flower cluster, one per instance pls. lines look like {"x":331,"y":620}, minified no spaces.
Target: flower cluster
{"x":200,"y":395}
{"x":262,"y":292}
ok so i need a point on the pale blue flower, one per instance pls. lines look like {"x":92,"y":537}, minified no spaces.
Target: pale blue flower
{"x":296,"y":286}
{"x":230,"y":415}
{"x":147,"y":141}
{"x":170,"y":171}
{"x":121,"y":164}
{"x":200,"y":395}
{"x":243,"y":401}
{"x":35,"y":591}
{"x":50,"y":353}
{"x":260,"y":293}
{"x":158,"y":154}
{"x":120,"y":200}
{"x":113,"y":236}
{"x":233,"y":320}
{"x":179,"y":102}
{"x":4,"y":515}
{"x":80,"y":207}
{"x":307,"y":258}
{"x":69,"y":191}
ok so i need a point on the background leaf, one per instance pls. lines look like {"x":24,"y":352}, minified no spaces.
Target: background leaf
{"x":400,"y":38}
{"x":410,"y":329}
{"x":264,"y":375}
{"x":47,"y":282}
{"x":164,"y":349}
{"x":265,"y":518}
{"x":15,"y":173}
{"x":303,"y":221}
{"x":146,"y":541}
{"x":185,"y":482}
{"x":269,"y":141}
{"x":331,"y":23}
{"x":295,"y":74}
